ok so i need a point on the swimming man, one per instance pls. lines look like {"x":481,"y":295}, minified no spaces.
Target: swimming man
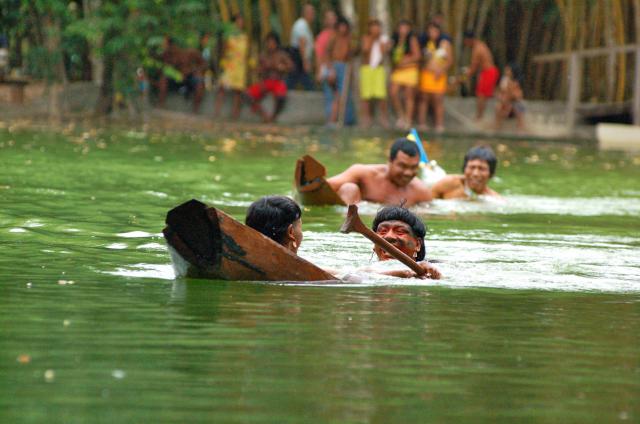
{"x":405,"y":231}
{"x":478,"y":168}
{"x":392,"y":183}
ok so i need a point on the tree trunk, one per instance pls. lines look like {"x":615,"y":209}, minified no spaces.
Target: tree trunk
{"x":57,"y":83}
{"x":104,"y":105}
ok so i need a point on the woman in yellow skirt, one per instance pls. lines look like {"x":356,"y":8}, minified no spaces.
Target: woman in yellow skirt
{"x":438,"y":57}
{"x":234,"y":67}
{"x":405,"y":57}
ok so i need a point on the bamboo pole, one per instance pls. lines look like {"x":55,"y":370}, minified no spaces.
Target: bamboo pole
{"x":224,"y":11}
{"x":622,"y":58}
{"x":265,"y":14}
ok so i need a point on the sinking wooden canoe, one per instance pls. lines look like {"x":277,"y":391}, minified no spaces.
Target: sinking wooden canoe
{"x":204,"y":242}
{"x":311,"y":184}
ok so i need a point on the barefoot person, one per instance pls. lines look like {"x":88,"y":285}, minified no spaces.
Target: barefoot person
{"x":438,"y":57}
{"x":478,"y":168}
{"x":391,"y":183}
{"x":405,"y":56}
{"x":510,"y":97}
{"x":234,"y":67}
{"x":274,"y":65}
{"x":373,"y":77}
{"x":488,"y":74}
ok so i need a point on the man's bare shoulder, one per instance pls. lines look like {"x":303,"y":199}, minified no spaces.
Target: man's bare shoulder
{"x":446,"y":185}
{"x":449,"y":182}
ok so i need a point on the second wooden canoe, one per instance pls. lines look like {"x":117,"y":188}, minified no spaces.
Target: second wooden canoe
{"x":311,"y":184}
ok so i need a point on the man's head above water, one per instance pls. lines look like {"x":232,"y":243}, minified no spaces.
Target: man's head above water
{"x":401,"y":228}
{"x":404,"y":161}
{"x":478,"y":167}
{"x":279,"y":218}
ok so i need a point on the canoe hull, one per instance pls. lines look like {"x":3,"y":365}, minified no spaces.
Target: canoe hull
{"x":204,"y":242}
{"x":311,"y":184}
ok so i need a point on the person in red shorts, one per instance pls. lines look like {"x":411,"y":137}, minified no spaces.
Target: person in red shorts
{"x":488,"y":74}
{"x":274,"y":64}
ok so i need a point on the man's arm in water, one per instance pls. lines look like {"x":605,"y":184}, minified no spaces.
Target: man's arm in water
{"x":445,"y":185}
{"x":432,"y":272}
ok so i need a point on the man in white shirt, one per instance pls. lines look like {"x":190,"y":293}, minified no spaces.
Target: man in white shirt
{"x":302,"y":49}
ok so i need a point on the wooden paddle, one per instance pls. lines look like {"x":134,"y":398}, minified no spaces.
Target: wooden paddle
{"x":353,"y":223}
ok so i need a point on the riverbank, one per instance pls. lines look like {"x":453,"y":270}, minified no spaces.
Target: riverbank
{"x":303,"y":114}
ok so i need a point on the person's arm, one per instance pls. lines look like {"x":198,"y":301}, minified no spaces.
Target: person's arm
{"x":447,"y":47}
{"x":442,"y":187}
{"x":353,"y":174}
{"x":366,"y":45}
{"x":302,"y":46}
{"x":422,"y":193}
{"x":432,"y":272}
{"x":475,"y":62}
{"x":414,"y":52}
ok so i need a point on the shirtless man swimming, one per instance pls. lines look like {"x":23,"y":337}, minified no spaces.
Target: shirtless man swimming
{"x":488,"y":74}
{"x":478,"y":168}
{"x":392,"y":183}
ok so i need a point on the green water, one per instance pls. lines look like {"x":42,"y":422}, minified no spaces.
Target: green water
{"x":536,"y":319}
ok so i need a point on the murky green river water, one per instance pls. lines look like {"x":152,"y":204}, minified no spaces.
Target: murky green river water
{"x":536,"y":320}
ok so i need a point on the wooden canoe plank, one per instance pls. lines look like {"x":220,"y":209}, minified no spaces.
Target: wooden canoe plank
{"x":311,"y":184}
{"x":210,"y":244}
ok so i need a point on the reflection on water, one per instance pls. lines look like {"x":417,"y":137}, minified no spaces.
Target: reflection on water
{"x":535,"y":320}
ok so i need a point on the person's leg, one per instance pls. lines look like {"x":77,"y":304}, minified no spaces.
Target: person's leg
{"x":237,"y":104}
{"x":198,"y":91}
{"x":350,"y":193}
{"x":163,"y":85}
{"x":219,"y":100}
{"x":256,"y":93}
{"x":307,"y":81}
{"x":438,"y":111}
{"x":397,"y":103}
{"x":481,"y":104}
{"x":279,"y":90}
{"x":383,"y":113}
{"x":328,"y":99}
{"x":365,"y":116}
{"x":423,"y":110}
{"x":410,"y":101}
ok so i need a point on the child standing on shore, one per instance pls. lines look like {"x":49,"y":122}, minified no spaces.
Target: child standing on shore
{"x":510,"y":97}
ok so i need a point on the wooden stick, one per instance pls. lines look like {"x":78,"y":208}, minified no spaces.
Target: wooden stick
{"x":353,"y":223}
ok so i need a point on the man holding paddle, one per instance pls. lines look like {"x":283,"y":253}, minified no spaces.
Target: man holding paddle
{"x":393,"y":183}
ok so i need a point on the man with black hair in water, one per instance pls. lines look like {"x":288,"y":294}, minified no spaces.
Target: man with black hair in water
{"x":392,"y":183}
{"x":280,"y":219}
{"x":406,"y":231}
{"x":478,"y":168}
{"x":274,"y":65}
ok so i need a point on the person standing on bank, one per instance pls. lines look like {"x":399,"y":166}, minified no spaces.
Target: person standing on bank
{"x":488,"y":74}
{"x":405,"y":57}
{"x":438,"y":58}
{"x":234,"y":67}
{"x":322,"y":69}
{"x":302,"y":49}
{"x":339,"y":54}
{"x":373,"y":77}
